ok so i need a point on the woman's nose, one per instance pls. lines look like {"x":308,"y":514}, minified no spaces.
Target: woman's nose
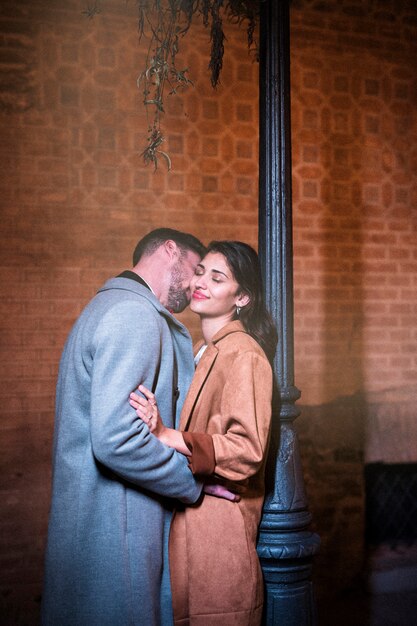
{"x":199,"y":282}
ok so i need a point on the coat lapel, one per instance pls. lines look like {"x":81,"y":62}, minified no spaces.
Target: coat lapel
{"x":201,"y":373}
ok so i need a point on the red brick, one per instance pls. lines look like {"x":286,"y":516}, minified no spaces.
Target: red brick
{"x":76,"y":197}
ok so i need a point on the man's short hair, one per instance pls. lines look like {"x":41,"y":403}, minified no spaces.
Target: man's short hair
{"x":150,"y":242}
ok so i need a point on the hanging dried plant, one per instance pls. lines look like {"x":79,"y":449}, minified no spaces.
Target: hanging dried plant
{"x":152,"y":152}
{"x":164,"y":23}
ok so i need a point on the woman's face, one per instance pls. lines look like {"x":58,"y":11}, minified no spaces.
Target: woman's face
{"x":214,"y":290}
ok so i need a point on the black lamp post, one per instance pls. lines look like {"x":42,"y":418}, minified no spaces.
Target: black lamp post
{"x":285,"y":546}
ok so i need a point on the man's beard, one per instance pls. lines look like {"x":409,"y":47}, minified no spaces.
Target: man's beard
{"x":177,"y":296}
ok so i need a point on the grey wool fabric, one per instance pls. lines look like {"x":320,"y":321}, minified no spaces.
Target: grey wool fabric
{"x":106,"y":557}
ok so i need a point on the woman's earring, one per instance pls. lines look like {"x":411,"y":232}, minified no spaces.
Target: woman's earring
{"x":238,"y":310}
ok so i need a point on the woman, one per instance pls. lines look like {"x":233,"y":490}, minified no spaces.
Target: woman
{"x":215,"y":572}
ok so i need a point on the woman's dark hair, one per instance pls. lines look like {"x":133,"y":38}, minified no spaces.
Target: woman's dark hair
{"x":243,"y":262}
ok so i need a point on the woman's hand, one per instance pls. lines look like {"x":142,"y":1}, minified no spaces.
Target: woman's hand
{"x":220,"y":491}
{"x":147,"y":409}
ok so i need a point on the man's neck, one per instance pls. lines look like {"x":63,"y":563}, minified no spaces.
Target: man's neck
{"x":143,"y":275}
{"x":155,"y":270}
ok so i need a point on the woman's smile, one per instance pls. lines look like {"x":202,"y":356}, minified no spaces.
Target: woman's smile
{"x":199,"y":295}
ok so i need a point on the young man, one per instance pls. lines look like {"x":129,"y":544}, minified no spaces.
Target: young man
{"x":106,"y":558}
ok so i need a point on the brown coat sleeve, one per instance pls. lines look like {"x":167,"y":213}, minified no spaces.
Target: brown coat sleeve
{"x":201,"y":461}
{"x":245,"y":417}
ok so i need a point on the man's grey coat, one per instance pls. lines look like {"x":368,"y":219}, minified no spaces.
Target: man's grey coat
{"x":112,"y":479}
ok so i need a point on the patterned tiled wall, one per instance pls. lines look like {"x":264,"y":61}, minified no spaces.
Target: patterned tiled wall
{"x":355,"y":241}
{"x":75,"y":196}
{"x":355,"y":194}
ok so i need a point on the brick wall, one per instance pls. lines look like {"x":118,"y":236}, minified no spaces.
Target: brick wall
{"x":355,"y":261}
{"x":75,"y":196}
{"x":355,"y":194}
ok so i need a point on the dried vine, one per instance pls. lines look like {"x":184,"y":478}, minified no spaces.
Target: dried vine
{"x":164,"y":23}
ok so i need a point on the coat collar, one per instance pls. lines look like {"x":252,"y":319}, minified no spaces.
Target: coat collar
{"x":232,"y":327}
{"x":126,"y":284}
{"x":203,"y":369}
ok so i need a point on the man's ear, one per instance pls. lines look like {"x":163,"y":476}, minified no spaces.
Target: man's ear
{"x":171,"y":249}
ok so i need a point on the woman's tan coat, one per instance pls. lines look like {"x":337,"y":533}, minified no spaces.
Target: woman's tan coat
{"x":215,"y":572}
